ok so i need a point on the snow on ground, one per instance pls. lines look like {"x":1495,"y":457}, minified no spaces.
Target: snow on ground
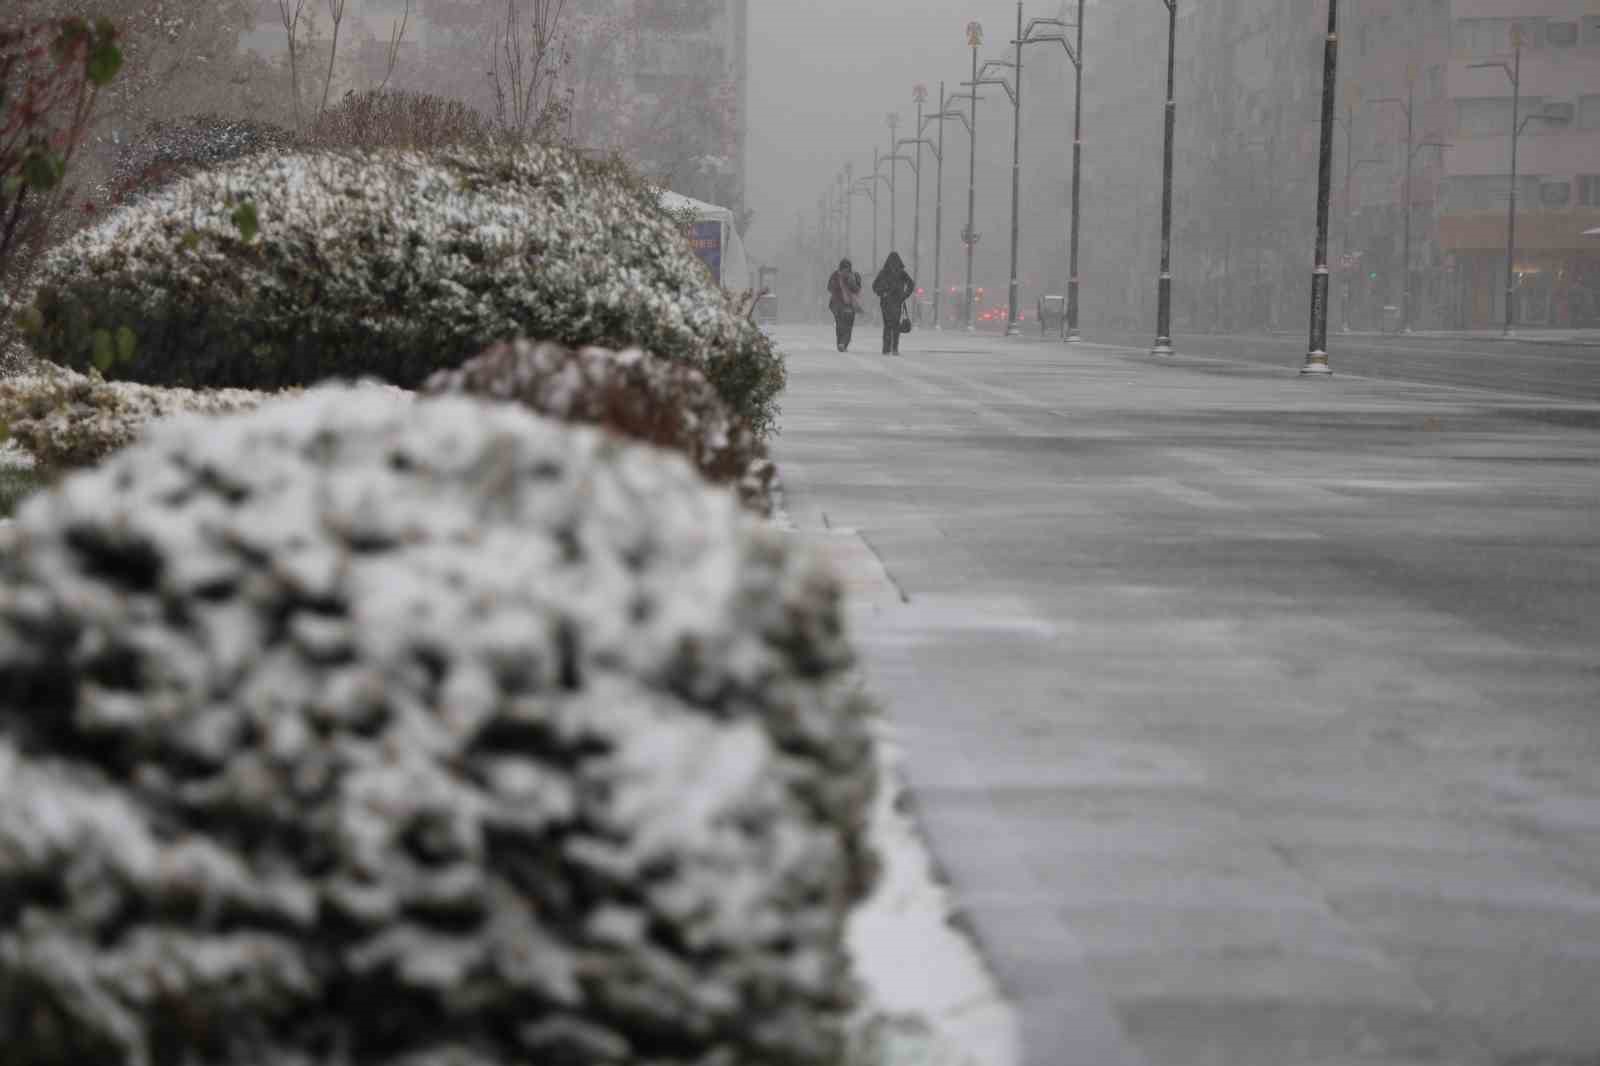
{"x":931,"y":1000}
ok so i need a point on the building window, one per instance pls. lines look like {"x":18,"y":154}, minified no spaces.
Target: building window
{"x":1484,"y":116}
{"x":1591,"y":29}
{"x":1561,"y":34}
{"x":1435,"y":82}
{"x":1589,"y":112}
{"x":1555,"y":193}
{"x":1589,"y":190}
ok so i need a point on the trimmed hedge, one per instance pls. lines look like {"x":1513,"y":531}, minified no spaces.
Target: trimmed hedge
{"x":632,"y":393}
{"x":364,"y":731}
{"x":287,"y":270}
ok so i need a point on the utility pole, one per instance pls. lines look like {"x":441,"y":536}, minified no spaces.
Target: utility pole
{"x":1163,"y":345}
{"x":1317,"y":351}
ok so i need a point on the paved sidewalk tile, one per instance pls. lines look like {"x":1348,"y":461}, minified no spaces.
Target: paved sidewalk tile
{"x":1252,"y":719}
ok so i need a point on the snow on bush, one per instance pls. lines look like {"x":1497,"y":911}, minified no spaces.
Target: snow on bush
{"x":290,"y":269}
{"x":632,"y":393}
{"x":166,"y":151}
{"x":359,"y":730}
{"x":65,"y":419}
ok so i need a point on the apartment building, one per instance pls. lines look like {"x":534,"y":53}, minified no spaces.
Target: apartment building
{"x":1556,"y":272}
{"x":665,"y":82}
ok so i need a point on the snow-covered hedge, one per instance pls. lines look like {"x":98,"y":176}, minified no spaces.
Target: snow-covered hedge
{"x":165,"y":151}
{"x":667,"y":404}
{"x":360,"y":730}
{"x":65,"y":419}
{"x":290,"y":269}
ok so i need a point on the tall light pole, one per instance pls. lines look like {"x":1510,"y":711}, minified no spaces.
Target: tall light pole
{"x":892,"y":158}
{"x":1012,"y":327}
{"x":849,"y":210}
{"x":1032,"y":35}
{"x":1163,"y":345}
{"x":868,"y":187}
{"x":983,"y":78}
{"x":1352,"y":95}
{"x":1317,"y":351}
{"x":1514,"y":72}
{"x":969,"y":236}
{"x":1408,"y":105}
{"x":919,"y":93}
{"x":1077,"y":170}
{"x":945,"y":114}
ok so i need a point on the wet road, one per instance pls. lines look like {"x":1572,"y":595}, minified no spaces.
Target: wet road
{"x":1530,"y":365}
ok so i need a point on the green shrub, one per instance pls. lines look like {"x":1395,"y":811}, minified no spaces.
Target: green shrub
{"x":286,"y":270}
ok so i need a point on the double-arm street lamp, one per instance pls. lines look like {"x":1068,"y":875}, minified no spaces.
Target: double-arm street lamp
{"x":1514,"y":72}
{"x":983,"y":78}
{"x":1408,"y":105}
{"x":1031,"y":35}
{"x":969,"y":236}
{"x":945,"y":114}
{"x":1163,"y":345}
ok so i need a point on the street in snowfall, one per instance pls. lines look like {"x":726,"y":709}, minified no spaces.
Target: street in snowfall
{"x":844,"y":533}
{"x":1251,"y":711}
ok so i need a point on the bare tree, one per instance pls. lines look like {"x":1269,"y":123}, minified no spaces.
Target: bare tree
{"x":291,"y":12}
{"x":396,"y":36}
{"x":532,"y":68}
{"x":336,"y":13}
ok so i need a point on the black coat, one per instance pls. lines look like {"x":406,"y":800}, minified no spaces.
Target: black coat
{"x":894,"y":288}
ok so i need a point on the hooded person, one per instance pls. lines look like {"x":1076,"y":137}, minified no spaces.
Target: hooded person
{"x":894,"y":286}
{"x":844,"y":300}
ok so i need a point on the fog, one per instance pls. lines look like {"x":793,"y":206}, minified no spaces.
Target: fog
{"x":824,"y":76}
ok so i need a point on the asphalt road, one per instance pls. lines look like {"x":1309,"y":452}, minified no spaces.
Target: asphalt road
{"x":1529,"y":365}
{"x":1254,"y":719}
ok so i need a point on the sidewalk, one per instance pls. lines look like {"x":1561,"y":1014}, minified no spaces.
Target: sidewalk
{"x":1253,"y":719}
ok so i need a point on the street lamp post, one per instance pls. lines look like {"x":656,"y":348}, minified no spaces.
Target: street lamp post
{"x":1163,"y":345}
{"x":891,"y":159}
{"x":1514,"y":72}
{"x":849,"y":209}
{"x":1077,"y":170}
{"x":1351,"y":164}
{"x":1012,"y":327}
{"x":1317,"y":351}
{"x":970,"y":236}
{"x":919,"y":93}
{"x":1408,"y":105}
{"x":945,"y":114}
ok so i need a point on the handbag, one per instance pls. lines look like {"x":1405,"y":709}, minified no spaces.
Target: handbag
{"x":905,"y":319}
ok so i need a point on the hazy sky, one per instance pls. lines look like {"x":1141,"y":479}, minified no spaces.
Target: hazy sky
{"x":825,"y":73}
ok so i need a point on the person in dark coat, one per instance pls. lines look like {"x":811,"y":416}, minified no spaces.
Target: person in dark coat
{"x":844,"y":299}
{"x":894,"y":286}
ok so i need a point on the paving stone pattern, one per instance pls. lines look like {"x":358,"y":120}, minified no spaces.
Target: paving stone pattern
{"x":1254,"y":719}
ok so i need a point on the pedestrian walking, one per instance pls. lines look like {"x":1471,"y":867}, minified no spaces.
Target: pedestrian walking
{"x":894,"y":286}
{"x":844,"y":300}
